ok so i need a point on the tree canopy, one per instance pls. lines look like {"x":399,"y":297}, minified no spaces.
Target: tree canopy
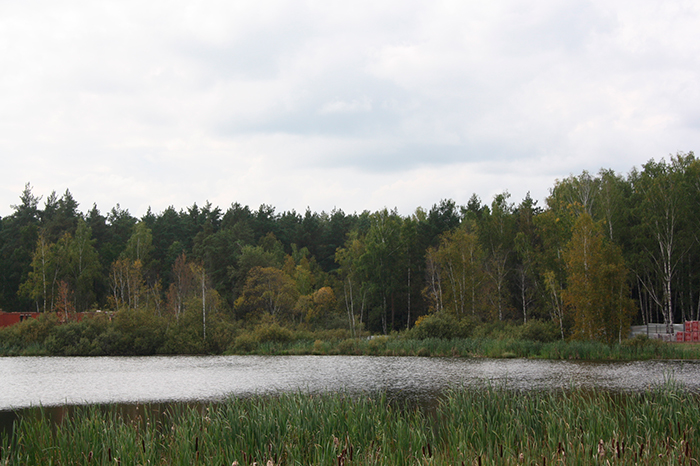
{"x":604,"y":251}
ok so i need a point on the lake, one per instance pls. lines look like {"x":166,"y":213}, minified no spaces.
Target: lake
{"x":59,"y":381}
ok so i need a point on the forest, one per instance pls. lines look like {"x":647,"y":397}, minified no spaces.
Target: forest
{"x":604,"y":251}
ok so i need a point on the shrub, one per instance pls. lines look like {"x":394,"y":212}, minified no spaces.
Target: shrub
{"x":377,"y":345}
{"x":348,"y":346}
{"x":272,"y":333}
{"x":244,"y":343}
{"x":537,"y":330}
{"x":440,"y":325}
{"x":111,"y":342}
{"x":499,"y":330}
{"x":65,"y":338}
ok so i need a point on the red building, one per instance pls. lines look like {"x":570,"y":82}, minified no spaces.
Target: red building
{"x":12,"y":318}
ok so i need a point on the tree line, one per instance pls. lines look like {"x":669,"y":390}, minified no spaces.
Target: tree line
{"x":605,"y":250}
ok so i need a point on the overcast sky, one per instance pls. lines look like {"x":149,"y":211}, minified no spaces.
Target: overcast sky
{"x":321,"y":104}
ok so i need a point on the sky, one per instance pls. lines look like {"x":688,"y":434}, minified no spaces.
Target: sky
{"x":324,"y":104}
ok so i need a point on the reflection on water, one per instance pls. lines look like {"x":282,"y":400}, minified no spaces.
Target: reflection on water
{"x":131,"y":382}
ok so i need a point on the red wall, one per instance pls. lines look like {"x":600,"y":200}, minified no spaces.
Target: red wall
{"x":11,"y":318}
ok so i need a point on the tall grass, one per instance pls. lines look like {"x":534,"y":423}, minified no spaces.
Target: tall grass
{"x":472,"y":425}
{"x":394,"y":345}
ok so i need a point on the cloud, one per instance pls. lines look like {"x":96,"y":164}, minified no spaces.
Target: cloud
{"x":355,"y":105}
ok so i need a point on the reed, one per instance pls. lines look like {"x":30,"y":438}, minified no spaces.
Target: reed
{"x":399,"y":345}
{"x":470,"y":425}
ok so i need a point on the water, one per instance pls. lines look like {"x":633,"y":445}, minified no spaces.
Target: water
{"x":61,"y":381}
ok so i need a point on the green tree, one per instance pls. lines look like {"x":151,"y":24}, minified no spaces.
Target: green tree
{"x":36,"y":287}
{"x":18,"y":239}
{"x":381,"y":263}
{"x":84,"y":266}
{"x":525,"y":245}
{"x":460,"y":261}
{"x":267,"y":290}
{"x":127,"y":284}
{"x":354,"y":290}
{"x":497,"y":233}
{"x":140,"y":244}
{"x":661,"y":233}
{"x":181,"y":286}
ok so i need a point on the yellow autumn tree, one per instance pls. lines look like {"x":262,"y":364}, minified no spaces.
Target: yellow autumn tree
{"x":597,"y":293}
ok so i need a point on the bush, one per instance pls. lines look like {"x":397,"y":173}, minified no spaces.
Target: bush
{"x":498,"y":330}
{"x":440,"y":325}
{"x":65,"y":338}
{"x":537,"y":330}
{"x":377,"y":345}
{"x":111,"y":342}
{"x":245,"y":343}
{"x":348,"y":346}
{"x":273,"y":332}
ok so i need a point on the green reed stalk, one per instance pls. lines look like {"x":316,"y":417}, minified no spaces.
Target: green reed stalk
{"x":471,"y":425}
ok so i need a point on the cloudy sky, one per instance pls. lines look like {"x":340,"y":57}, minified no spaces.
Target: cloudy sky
{"x":322,"y":104}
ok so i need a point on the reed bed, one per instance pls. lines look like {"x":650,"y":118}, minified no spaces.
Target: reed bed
{"x":642,"y":349}
{"x":478,"y":425}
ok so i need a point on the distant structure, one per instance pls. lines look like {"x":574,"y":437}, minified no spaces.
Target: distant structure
{"x":11,"y":318}
{"x":688,"y":331}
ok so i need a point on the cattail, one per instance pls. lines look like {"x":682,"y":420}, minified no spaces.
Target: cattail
{"x":109,"y":454}
{"x":89,"y":456}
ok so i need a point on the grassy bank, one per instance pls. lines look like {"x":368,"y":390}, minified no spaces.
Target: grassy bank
{"x":470,"y":426}
{"x":135,"y":333}
{"x":634,"y":349}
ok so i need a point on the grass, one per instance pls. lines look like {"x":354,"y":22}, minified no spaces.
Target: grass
{"x":635,"y":349}
{"x":472,"y":425}
{"x":275,"y":340}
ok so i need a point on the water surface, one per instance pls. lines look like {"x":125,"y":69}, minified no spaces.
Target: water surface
{"x":56,"y":381}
